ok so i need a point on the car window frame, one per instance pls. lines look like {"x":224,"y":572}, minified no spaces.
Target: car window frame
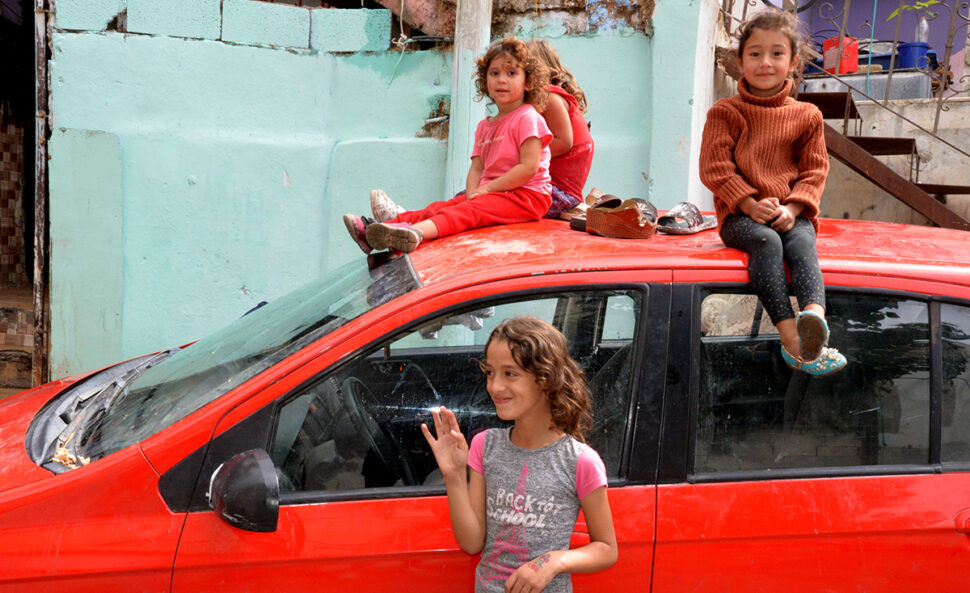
{"x":645,"y":289}
{"x":682,"y":398}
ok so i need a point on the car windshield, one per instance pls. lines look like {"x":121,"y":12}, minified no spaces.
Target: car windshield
{"x":198,"y":374}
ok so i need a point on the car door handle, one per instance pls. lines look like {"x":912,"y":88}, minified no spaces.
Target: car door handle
{"x":963,"y":521}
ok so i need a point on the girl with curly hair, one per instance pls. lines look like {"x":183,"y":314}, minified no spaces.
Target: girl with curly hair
{"x":508,"y":180}
{"x":519,"y":503}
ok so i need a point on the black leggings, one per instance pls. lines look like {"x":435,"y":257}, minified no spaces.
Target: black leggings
{"x":768,"y":251}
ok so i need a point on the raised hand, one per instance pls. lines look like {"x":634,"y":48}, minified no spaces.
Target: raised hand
{"x":450,"y":448}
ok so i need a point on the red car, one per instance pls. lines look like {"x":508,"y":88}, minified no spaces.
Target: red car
{"x":284,"y":452}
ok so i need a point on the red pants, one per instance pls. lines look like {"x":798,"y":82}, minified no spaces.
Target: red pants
{"x":459,"y":214}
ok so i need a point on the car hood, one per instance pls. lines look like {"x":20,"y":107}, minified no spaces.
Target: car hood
{"x":16,"y":412}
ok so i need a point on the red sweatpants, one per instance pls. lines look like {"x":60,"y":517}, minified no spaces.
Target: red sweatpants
{"x":459,"y":214}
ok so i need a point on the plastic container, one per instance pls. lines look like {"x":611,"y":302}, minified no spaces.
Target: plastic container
{"x":845,"y":61}
{"x":910,"y":54}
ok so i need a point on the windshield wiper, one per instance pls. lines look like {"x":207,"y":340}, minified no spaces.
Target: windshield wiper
{"x":86,"y":414}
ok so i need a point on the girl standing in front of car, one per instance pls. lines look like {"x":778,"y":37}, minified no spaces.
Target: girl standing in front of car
{"x":508,"y":180}
{"x":519,"y":503}
{"x":763,"y":155}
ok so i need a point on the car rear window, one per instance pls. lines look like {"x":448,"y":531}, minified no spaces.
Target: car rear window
{"x":754,"y":413}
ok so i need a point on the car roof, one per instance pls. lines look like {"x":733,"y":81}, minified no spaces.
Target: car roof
{"x":551,"y":246}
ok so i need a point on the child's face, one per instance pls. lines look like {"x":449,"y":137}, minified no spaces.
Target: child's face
{"x":505,"y":81}
{"x":514,"y":391}
{"x":766,"y":62}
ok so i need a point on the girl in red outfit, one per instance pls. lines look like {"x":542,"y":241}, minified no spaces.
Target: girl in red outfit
{"x":571,"y":148}
{"x":572,"y":145}
{"x":508,"y":180}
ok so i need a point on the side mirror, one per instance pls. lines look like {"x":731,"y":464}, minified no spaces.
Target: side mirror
{"x":245,"y":492}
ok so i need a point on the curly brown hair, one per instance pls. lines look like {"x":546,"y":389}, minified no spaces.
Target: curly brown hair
{"x":541,"y":350}
{"x":775,"y":20}
{"x":536,"y":73}
{"x":558,"y":74}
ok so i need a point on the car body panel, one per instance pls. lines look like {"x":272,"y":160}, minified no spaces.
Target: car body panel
{"x":101,"y":527}
{"x":883,"y":533}
{"x":16,"y":467}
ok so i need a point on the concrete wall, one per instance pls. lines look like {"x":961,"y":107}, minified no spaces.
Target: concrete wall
{"x":202,"y":152}
{"x":847,"y":195}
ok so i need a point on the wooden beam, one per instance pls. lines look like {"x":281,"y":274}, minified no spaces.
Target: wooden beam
{"x":882,"y":176}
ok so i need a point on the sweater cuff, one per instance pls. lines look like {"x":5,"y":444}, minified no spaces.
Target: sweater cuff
{"x":733,"y":191}
{"x":809,"y":202}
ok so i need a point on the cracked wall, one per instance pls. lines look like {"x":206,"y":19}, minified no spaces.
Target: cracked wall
{"x":202,"y":152}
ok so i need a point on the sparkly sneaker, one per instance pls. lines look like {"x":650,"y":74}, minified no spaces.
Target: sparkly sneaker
{"x":829,"y":361}
{"x":383,"y":207}
{"x":393,"y":235}
{"x":813,"y":335}
{"x":357,"y":227}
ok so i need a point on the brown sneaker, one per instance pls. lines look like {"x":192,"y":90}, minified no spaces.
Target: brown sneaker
{"x":394,"y":235}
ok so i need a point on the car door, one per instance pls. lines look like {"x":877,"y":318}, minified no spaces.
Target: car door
{"x":362,"y":505}
{"x":775,"y":480}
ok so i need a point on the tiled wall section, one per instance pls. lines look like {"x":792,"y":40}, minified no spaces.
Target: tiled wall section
{"x":12,"y":271}
{"x":16,"y":328}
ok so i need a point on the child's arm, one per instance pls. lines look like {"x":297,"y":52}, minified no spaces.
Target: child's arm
{"x":717,"y":168}
{"x":557,"y":118}
{"x":466,"y":497}
{"x":474,"y":175}
{"x":599,"y":554}
{"x":530,"y":152}
{"x":813,"y":167}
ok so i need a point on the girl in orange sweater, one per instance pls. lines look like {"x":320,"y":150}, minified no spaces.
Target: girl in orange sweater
{"x":763,"y":155}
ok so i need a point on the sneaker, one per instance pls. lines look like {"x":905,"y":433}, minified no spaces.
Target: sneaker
{"x":383,"y":207}
{"x":828,"y":362}
{"x":813,"y":335}
{"x":394,"y":235}
{"x":357,"y":227}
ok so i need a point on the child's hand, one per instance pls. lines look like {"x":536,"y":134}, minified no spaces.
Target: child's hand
{"x":450,"y":449}
{"x":764,"y":210}
{"x":534,"y":575}
{"x":481,"y":189}
{"x":784,"y":220}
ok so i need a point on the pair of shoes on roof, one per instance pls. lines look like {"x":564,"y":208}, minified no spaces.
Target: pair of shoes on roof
{"x":814,"y":357}
{"x":608,"y":216}
{"x":377,"y":233}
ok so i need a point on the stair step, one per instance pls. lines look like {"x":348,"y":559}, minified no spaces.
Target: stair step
{"x":832,"y":105}
{"x":940,"y":189}
{"x":882,"y":146}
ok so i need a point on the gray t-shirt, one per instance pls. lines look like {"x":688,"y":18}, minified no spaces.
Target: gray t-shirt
{"x":531,"y":502}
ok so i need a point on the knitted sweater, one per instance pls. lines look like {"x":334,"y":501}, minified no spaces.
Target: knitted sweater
{"x":764,"y":147}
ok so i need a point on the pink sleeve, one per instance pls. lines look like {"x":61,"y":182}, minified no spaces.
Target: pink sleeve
{"x":590,"y":472}
{"x":476,"y":453}
{"x":532,"y":124}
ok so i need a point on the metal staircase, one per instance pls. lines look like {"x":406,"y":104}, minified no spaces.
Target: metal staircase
{"x":859,"y":154}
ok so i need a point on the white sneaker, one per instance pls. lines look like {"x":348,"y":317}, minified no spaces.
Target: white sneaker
{"x":383,"y":207}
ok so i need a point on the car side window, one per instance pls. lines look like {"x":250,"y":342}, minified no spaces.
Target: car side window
{"x":754,"y":413}
{"x":359,"y":426}
{"x":955,"y":326}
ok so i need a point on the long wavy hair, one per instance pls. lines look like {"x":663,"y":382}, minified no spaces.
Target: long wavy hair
{"x":558,"y":74}
{"x":536,"y":73}
{"x":541,"y":350}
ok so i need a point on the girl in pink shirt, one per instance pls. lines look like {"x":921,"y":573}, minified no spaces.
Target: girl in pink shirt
{"x":508,"y":180}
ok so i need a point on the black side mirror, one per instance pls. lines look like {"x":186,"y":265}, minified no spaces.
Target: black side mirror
{"x":245,"y":492}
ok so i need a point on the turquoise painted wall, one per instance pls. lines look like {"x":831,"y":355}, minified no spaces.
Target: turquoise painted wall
{"x":199,"y":166}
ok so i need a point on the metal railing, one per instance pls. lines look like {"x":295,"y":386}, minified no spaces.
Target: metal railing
{"x":954,"y":14}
